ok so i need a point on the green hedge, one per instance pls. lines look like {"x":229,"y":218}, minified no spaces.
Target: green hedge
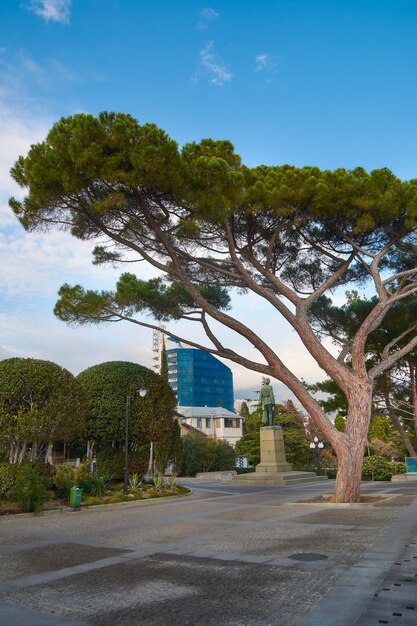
{"x":112,"y":462}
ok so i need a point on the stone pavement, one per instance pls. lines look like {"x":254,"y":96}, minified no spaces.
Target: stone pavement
{"x":232,"y":555}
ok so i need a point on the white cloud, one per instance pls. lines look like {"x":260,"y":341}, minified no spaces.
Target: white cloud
{"x":24,"y":82}
{"x":214,"y":66}
{"x":31,"y":68}
{"x":17,"y":134}
{"x":39,"y":335}
{"x":38,"y":263}
{"x":62,"y":72}
{"x":51,"y":10}
{"x":264,"y":62}
{"x":209,"y":14}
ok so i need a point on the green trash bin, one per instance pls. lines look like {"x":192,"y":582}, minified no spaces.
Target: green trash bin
{"x":75,"y":497}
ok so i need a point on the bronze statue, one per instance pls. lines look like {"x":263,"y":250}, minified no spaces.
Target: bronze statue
{"x":267,"y":401}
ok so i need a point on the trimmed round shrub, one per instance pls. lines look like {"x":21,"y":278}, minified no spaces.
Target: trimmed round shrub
{"x":106,"y":387}
{"x":57,"y":407}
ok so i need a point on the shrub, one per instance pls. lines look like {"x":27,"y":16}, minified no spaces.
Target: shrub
{"x":134,"y":482}
{"x":331,"y":472}
{"x":376,"y":468}
{"x":398,"y":467}
{"x":119,"y":497}
{"x":82,"y":473}
{"x":203,"y":454}
{"x":92,"y":500}
{"x":64,"y":479}
{"x":8,"y":474}
{"x":224,"y":456}
{"x":96,"y":485}
{"x":46,"y":470}
{"x":249,"y":446}
{"x":172,"y":481}
{"x":30,"y":491}
{"x":197,"y":455}
{"x":159,"y":482}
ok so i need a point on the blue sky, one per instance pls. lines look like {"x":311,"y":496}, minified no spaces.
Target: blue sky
{"x":326,"y":83}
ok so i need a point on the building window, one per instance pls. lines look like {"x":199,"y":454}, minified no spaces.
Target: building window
{"x":231,"y":423}
{"x":199,"y":422}
{"x":208,"y":422}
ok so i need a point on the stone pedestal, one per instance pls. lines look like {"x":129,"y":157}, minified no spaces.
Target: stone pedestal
{"x":272,"y":451}
{"x":273,"y":468}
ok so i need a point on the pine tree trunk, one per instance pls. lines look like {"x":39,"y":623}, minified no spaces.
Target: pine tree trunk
{"x":351,"y":445}
{"x":349,"y":473}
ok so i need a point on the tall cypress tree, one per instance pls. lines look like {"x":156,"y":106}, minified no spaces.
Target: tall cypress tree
{"x":164,"y":363}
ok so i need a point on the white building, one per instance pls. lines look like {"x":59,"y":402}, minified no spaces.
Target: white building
{"x":216,"y":422}
{"x":251,"y":404}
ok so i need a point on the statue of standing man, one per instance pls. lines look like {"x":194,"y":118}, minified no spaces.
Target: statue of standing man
{"x":267,"y":401}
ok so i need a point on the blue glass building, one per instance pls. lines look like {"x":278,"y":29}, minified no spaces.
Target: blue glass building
{"x":199,"y":379}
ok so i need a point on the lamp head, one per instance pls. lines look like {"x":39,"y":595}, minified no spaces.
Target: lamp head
{"x":143,"y":392}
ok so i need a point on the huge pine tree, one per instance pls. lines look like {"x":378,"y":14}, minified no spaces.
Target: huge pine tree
{"x":209,"y":225}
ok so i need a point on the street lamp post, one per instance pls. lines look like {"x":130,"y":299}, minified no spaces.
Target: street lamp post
{"x":131,"y":390}
{"x":317,"y":446}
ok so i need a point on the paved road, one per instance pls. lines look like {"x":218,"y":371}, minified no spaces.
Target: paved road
{"x":225,"y":555}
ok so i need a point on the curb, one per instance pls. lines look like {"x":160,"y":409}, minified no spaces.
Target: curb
{"x":92,"y":507}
